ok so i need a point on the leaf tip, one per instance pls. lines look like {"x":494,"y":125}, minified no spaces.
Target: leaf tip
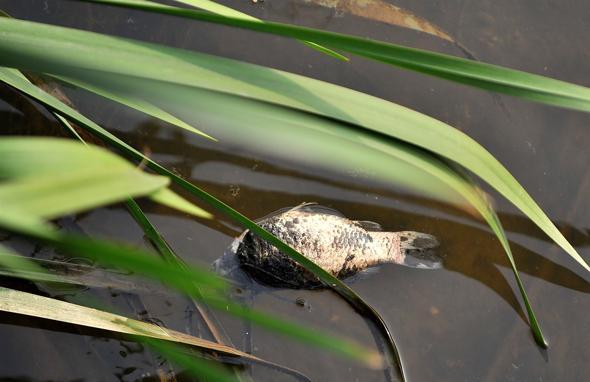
{"x":540,"y":339}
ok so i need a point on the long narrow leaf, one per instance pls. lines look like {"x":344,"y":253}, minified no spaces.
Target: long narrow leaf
{"x":53,"y":176}
{"x":220,"y":9}
{"x":24,"y":303}
{"x":84,"y":122}
{"x":400,"y":114}
{"x":122,"y":257}
{"x":199,"y":368}
{"x":170,"y":256}
{"x":25,"y":45}
{"x":75,"y":274}
{"x":473,"y":73}
{"x":52,"y":196}
{"x":13,"y":265}
{"x":19,"y":266}
{"x":136,"y":103}
{"x":114,"y":255}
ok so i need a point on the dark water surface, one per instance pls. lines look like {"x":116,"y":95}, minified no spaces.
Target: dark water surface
{"x":461,"y":323}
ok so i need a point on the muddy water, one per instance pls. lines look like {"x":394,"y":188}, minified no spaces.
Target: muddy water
{"x":461,"y":323}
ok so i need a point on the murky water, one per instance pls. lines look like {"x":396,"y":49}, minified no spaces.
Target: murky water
{"x":461,"y":323}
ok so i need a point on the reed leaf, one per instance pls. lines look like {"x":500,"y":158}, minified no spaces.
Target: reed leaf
{"x":199,"y":368}
{"x":55,"y":195}
{"x":186,"y":280}
{"x":28,"y":207}
{"x":166,"y":252}
{"x":16,"y":265}
{"x":81,"y":177}
{"x":11,"y":264}
{"x":76,"y":274}
{"x":213,"y":7}
{"x":57,"y":106}
{"x":292,"y":92}
{"x":130,"y":100}
{"x":131,"y":259}
{"x":485,"y":76}
{"x":25,"y":45}
{"x":427,"y":133}
{"x":29,"y":304}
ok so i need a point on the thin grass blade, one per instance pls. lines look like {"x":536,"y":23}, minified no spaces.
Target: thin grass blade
{"x":14,"y":265}
{"x":21,"y":267}
{"x":213,"y":7}
{"x":355,"y":300}
{"x":166,"y":252}
{"x":57,"y":195}
{"x":18,"y":48}
{"x":171,"y":199}
{"x":199,"y":368}
{"x":186,"y":280}
{"x":138,"y":261}
{"x":28,"y":304}
{"x":51,"y":177}
{"x":490,"y":77}
{"x":132,"y":101}
{"x":347,"y":293}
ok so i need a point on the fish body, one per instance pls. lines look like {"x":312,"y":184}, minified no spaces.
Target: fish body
{"x":339,"y":245}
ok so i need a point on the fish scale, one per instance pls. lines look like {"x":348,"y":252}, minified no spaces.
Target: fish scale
{"x":339,"y":245}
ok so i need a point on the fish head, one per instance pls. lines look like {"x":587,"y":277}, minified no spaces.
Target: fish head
{"x":228,"y":265}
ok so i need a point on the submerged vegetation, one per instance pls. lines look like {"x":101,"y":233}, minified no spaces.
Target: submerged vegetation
{"x":234,"y":102}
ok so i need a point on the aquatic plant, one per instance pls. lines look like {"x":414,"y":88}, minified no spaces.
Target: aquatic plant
{"x":323,"y":123}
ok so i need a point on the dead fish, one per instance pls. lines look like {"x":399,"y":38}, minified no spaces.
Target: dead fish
{"x":339,"y":245}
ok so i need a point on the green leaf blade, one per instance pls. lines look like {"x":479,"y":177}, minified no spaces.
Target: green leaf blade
{"x":128,"y":99}
{"x":53,"y":196}
{"x":410,"y":126}
{"x":222,"y":10}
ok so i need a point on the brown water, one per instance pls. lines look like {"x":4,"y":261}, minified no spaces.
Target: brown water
{"x":461,"y":323}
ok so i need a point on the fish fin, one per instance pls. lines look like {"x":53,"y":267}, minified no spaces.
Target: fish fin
{"x":419,"y":250}
{"x":369,"y":225}
{"x":318,"y":208}
{"x":285,"y":210}
{"x":273,"y":214}
{"x":306,"y":207}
